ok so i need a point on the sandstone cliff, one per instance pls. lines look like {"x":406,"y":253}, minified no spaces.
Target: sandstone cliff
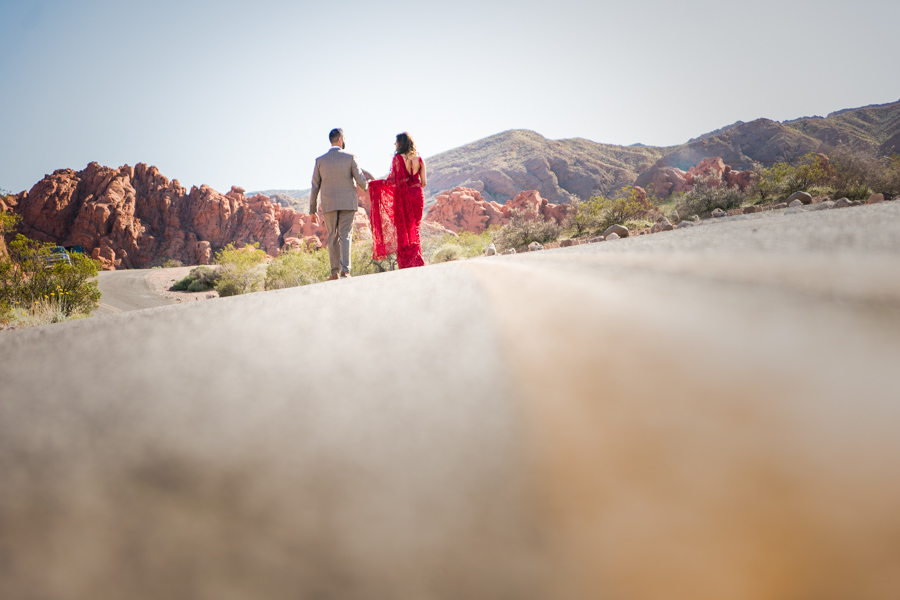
{"x":465,"y":209}
{"x":662,"y":180}
{"x":134,"y":217}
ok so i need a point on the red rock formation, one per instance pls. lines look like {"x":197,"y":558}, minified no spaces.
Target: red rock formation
{"x":662,"y":181}
{"x":135,"y":217}
{"x":464,"y":209}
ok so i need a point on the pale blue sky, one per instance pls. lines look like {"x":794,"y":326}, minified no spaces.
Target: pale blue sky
{"x":235,"y":93}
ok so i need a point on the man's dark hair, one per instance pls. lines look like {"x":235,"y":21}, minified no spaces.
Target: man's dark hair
{"x":335,"y":135}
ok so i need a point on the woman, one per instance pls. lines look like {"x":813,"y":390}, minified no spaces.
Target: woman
{"x":397,"y":205}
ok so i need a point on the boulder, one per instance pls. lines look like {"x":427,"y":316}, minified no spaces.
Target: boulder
{"x":684,"y":224}
{"x":843,"y":203}
{"x":620,"y":230}
{"x":748,"y":210}
{"x":875,"y":199}
{"x":801,"y":196}
{"x":510,"y":251}
{"x":535,"y":246}
{"x":779,"y":206}
{"x":795,"y":203}
{"x":567,"y":243}
{"x":718,"y":213}
{"x":662,"y":224}
{"x":594,"y":240}
{"x":612,"y":236}
{"x":491,"y":250}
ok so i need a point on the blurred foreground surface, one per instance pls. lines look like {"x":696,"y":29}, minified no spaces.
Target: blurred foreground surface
{"x":705,"y":413}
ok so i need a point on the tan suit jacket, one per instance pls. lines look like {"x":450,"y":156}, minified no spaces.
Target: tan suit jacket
{"x":333,"y":177}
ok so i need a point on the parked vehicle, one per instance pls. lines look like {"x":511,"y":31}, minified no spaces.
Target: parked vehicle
{"x":56,"y":255}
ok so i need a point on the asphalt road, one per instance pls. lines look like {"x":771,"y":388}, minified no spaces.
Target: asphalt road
{"x":708,"y":413}
{"x":126,"y":291}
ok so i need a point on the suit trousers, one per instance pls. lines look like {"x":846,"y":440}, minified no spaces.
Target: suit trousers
{"x":339,"y":224}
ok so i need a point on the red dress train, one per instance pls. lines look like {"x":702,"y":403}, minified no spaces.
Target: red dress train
{"x":396,"y":210}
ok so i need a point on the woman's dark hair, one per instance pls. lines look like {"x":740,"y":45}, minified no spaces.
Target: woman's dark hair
{"x":406,"y":144}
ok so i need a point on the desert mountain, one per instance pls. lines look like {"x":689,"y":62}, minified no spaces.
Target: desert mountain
{"x":503,"y":165}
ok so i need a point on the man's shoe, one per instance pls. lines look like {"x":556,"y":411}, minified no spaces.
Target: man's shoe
{"x":346,"y":275}
{"x":332,"y":277}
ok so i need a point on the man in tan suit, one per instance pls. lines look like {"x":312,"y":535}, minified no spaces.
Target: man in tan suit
{"x":334,"y":176}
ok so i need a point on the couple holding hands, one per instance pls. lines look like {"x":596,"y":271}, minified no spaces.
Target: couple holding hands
{"x":396,"y":208}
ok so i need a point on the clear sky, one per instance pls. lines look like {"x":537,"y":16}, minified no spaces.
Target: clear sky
{"x":244,"y":93}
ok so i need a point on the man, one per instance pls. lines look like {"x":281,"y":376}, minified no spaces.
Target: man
{"x":334,"y":175}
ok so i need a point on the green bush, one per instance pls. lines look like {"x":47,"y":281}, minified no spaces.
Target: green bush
{"x":708,"y":195}
{"x":198,"y":286}
{"x":524,"y":229}
{"x":362,"y":263}
{"x":297,"y":267}
{"x":627,"y":205}
{"x":469,"y":245}
{"x":199,"y":279}
{"x":448,"y":252}
{"x":858,"y":172}
{"x":29,"y":283}
{"x":241,"y":271}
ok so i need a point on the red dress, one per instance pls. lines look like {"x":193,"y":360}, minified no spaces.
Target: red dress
{"x":396,"y":214}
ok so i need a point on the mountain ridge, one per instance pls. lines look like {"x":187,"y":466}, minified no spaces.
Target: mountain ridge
{"x":502,"y":165}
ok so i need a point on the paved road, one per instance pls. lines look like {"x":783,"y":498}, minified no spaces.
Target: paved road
{"x":126,"y":291}
{"x":705,"y":414}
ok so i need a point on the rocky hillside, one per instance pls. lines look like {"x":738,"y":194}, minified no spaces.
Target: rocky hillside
{"x":135,"y":217}
{"x":503,"y":165}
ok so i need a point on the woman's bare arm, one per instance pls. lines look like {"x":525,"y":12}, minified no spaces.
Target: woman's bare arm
{"x":422,"y":173}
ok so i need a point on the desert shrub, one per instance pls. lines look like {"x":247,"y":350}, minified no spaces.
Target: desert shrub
{"x":182,"y":284}
{"x":811,"y":171}
{"x":198,"y":286}
{"x":772,"y":182}
{"x":199,"y":279}
{"x":431,"y":243}
{"x":854,"y":170}
{"x":708,"y":195}
{"x":241,"y":271}
{"x":524,"y":229}
{"x":297,"y":267}
{"x":583,"y":217}
{"x":448,"y":252}
{"x":467,"y":245}
{"x":859,"y":172}
{"x":474,"y":244}
{"x":628,"y":205}
{"x":29,"y":283}
{"x":362,"y":263}
{"x":171,"y":263}
{"x":890,"y":178}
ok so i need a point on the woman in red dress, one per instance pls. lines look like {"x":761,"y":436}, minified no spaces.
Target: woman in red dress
{"x":397,"y":206}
